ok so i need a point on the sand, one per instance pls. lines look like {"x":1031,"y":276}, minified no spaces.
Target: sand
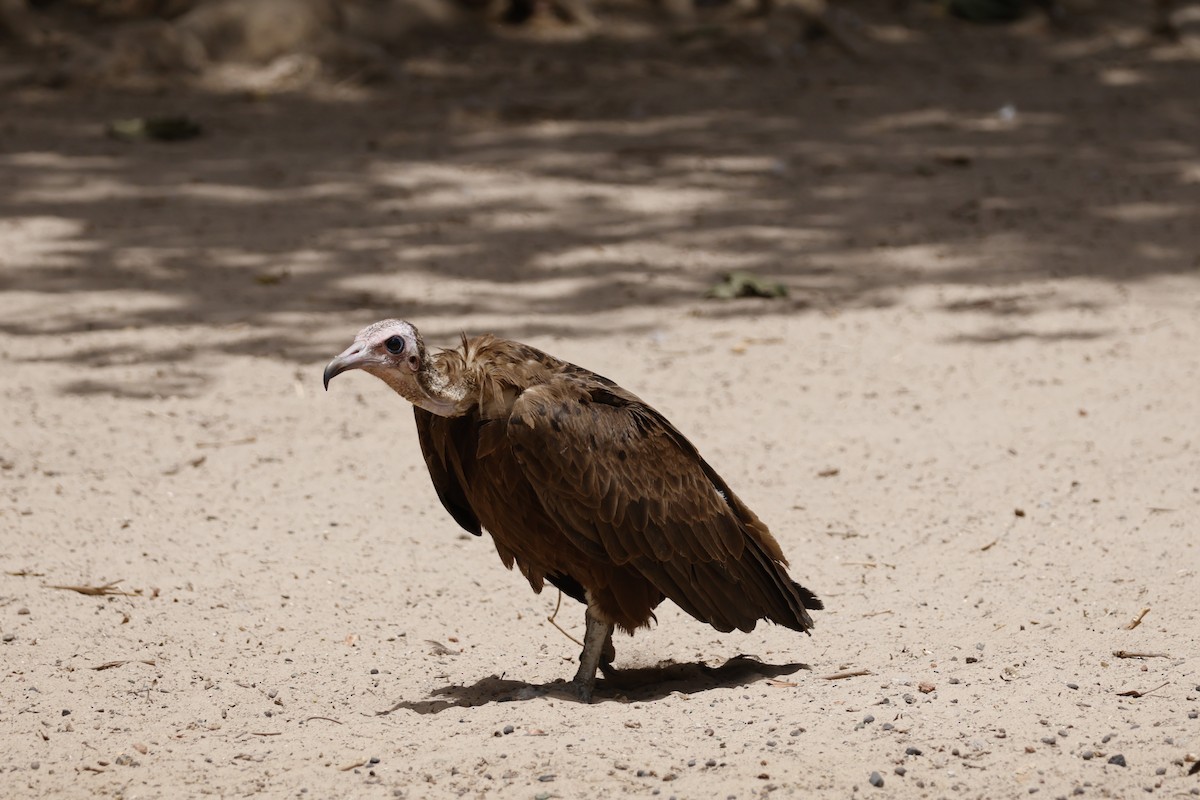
{"x":973,"y":424}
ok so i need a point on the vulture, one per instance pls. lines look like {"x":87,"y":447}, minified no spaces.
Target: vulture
{"x":581,"y":485}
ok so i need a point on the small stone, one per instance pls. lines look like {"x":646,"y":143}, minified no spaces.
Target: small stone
{"x":1087,"y":755}
{"x":124,"y":760}
{"x":908,"y":698}
{"x":273,"y":694}
{"x":876,"y":780}
{"x":979,"y":645}
{"x":1062,"y":733}
{"x":691,"y":762}
{"x":22,"y":611}
{"x":66,"y":712}
{"x":1118,"y":759}
{"x":507,"y":729}
{"x":772,"y":743}
{"x":887,"y":726}
{"x":712,"y":762}
{"x":545,"y":778}
{"x":912,"y":751}
{"x":955,"y":681}
{"x":900,"y":771}
{"x":373,"y":760}
{"x":374,"y":671}
{"x":925,"y":688}
{"x":1107,"y":738}
{"x":1049,"y":740}
{"x":1072,"y":685}
{"x":1160,"y":771}
{"x":9,"y":637}
{"x":1193,"y":714}
{"x":796,"y":732}
{"x":868,"y":719}
{"x":971,"y":660}
{"x":36,"y":765}
{"x":641,"y":773}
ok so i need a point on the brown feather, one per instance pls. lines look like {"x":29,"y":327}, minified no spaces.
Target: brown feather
{"x":578,"y":480}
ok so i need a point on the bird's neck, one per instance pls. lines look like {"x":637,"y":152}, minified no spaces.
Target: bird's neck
{"x":442,"y":391}
{"x":433,"y":387}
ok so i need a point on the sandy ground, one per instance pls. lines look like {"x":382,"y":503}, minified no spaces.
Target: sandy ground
{"x":973,"y":425}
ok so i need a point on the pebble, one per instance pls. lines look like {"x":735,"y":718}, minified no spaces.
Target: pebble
{"x":1193,"y":714}
{"x":22,"y":612}
{"x":8,"y":637}
{"x":868,"y":719}
{"x":912,"y":751}
{"x":887,"y":726}
{"x":1049,"y":740}
{"x":1072,"y":685}
{"x":373,"y":760}
{"x":796,"y":732}
{"x":1160,"y":771}
{"x":1062,"y":733}
{"x":1118,"y":759}
{"x":955,"y":681}
{"x":900,"y":771}
{"x":772,"y":743}
{"x":374,"y":671}
{"x":66,"y":712}
{"x":36,"y":765}
{"x":548,"y":778}
{"x":1087,"y":755}
{"x":691,"y":762}
{"x":908,"y":698}
{"x":1107,"y":738}
{"x":507,"y":729}
{"x":712,"y":762}
{"x":876,"y":780}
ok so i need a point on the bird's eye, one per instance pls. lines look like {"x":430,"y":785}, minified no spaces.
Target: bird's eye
{"x":394,"y":345}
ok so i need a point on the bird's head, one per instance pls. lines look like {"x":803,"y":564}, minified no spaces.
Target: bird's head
{"x":393,"y":351}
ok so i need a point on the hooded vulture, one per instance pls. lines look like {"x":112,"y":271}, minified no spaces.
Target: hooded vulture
{"x":582,"y":485}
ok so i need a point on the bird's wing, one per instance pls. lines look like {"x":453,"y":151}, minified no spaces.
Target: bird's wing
{"x":617,"y":477}
{"x":442,"y":440}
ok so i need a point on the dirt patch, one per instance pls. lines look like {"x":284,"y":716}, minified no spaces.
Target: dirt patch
{"x":971,"y":422}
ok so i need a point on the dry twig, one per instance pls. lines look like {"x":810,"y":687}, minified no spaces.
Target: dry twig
{"x":561,"y":629}
{"x":1130,"y":654}
{"x":111,"y":664}
{"x":1138,"y":693}
{"x":106,"y":590}
{"x":853,"y":673}
{"x":1138,"y":619}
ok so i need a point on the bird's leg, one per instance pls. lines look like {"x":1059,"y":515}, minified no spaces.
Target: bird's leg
{"x":608,"y":655}
{"x":597,"y":639}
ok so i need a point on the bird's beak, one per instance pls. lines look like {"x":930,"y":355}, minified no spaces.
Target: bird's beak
{"x":352,"y":358}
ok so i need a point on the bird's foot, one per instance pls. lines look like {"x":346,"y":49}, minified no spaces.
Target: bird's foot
{"x":582,"y":688}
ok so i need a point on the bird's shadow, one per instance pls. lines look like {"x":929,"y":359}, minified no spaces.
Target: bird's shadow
{"x":633,"y":684}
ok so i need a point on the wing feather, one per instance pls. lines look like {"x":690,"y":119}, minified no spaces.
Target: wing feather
{"x":440,"y":436}
{"x":621,"y":481}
